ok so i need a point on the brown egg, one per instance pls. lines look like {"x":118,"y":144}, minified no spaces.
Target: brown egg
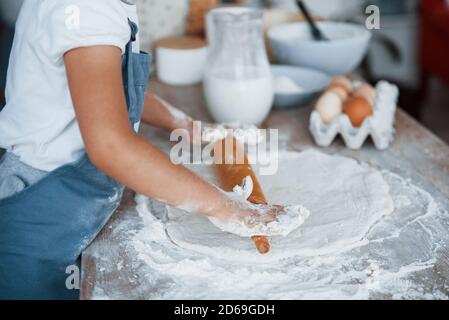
{"x":366,"y":91}
{"x":339,"y":91}
{"x":343,"y":82}
{"x":358,"y":109}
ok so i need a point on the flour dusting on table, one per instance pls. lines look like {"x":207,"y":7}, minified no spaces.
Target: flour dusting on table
{"x":388,"y":257}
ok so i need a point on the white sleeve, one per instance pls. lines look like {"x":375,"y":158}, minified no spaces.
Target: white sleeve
{"x":85,"y":23}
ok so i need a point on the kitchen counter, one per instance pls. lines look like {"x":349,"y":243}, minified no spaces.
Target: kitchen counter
{"x":415,"y":154}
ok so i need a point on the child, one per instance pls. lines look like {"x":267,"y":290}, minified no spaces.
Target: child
{"x":75,"y":97}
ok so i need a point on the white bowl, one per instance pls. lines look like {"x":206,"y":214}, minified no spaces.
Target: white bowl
{"x":311,"y":82}
{"x":293,"y":44}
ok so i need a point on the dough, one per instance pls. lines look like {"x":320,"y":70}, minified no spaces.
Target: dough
{"x":345,"y":200}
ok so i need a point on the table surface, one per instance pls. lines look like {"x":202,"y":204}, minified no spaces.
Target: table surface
{"x":416,"y":154}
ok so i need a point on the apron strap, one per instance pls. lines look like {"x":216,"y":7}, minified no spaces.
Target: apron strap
{"x":128,"y":72}
{"x":134,"y":30}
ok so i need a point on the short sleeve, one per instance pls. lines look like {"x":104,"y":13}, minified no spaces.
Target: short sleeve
{"x":85,"y":23}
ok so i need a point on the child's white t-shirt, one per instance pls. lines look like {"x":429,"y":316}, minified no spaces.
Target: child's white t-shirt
{"x":38,"y":123}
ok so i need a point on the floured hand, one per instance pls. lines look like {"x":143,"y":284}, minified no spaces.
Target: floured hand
{"x":247,"y":219}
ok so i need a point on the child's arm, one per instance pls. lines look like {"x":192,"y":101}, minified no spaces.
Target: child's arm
{"x":161,"y":114}
{"x":95,"y":81}
{"x":158,"y":113}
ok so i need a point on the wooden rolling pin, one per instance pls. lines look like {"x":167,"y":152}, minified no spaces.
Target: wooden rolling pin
{"x":232,"y":174}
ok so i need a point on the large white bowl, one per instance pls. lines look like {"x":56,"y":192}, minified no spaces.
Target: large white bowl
{"x":292,"y":44}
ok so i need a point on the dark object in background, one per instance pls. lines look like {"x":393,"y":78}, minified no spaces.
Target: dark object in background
{"x":410,"y":98}
{"x":396,"y":7}
{"x":6,"y":38}
{"x":2,"y":98}
{"x":315,"y":31}
{"x":433,"y":55}
{"x":196,"y":17}
{"x":434,"y":39}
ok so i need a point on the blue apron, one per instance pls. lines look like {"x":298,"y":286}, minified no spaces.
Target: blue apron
{"x":44,"y":228}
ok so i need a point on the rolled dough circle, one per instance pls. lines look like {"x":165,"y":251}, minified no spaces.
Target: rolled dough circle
{"x":345,"y":199}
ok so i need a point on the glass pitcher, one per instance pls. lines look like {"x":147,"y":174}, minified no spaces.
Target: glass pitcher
{"x":238,"y":82}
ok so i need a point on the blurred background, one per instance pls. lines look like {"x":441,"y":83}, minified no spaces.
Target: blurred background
{"x":411,"y":47}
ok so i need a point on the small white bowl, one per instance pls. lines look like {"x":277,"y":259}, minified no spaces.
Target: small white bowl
{"x":181,"y":61}
{"x":293,"y":44}
{"x":311,"y":82}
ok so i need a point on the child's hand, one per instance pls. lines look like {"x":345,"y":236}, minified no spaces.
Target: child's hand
{"x":246,"y":219}
{"x":264,"y":214}
{"x":250,"y":214}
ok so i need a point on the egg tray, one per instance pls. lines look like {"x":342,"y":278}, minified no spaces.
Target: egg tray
{"x":380,"y":126}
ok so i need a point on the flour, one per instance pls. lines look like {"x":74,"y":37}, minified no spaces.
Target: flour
{"x":214,"y":133}
{"x":285,"y":85}
{"x":245,"y":189}
{"x":246,"y":134}
{"x":391,"y":257}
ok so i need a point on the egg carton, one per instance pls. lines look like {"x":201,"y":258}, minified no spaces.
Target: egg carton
{"x":380,"y":126}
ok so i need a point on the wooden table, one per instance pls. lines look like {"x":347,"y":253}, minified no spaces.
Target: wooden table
{"x":416,"y":154}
